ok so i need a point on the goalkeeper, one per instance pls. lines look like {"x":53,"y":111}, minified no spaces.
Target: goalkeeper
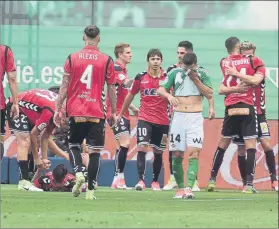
{"x":190,"y":84}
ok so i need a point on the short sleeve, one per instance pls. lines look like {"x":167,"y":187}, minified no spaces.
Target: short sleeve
{"x":44,"y":120}
{"x":168,"y":82}
{"x":10,"y":65}
{"x":68,"y":66}
{"x":136,"y":85}
{"x":205,"y":79}
{"x":110,"y":72}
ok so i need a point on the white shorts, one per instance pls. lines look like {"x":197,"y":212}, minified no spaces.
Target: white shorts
{"x":186,"y":129}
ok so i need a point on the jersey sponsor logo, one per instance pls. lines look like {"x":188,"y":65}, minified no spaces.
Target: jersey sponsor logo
{"x":150,"y":92}
{"x":42,"y":126}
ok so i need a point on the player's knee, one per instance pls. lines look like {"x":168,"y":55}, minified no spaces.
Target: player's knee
{"x":156,"y":151}
{"x":177,"y":154}
{"x":266,"y":144}
{"x":143,"y":148}
{"x":241,"y":150}
{"x":224,"y":143}
{"x":124,"y":141}
{"x":194,"y":153}
{"x":92,"y":150}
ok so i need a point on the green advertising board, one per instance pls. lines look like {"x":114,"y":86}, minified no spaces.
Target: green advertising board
{"x":40,"y":52}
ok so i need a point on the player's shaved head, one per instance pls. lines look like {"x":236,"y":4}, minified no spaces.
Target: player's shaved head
{"x":91,"y":31}
{"x":232,"y":44}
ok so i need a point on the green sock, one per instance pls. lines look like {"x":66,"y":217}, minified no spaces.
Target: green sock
{"x":192,"y":172}
{"x":178,"y":171}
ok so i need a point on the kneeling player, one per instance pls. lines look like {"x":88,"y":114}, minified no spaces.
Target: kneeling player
{"x":35,"y":119}
{"x":153,"y":121}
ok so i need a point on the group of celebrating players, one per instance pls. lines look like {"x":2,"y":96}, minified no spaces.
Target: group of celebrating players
{"x":170,"y":113}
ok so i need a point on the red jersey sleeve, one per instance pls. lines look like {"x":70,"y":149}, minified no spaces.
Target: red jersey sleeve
{"x":10,"y":66}
{"x":68,"y":66}
{"x":136,"y":86}
{"x":259,"y":66}
{"x":44,"y":120}
{"x":110,"y":73}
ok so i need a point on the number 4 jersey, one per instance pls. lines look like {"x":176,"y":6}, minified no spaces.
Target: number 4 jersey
{"x":88,"y":70}
{"x":247,"y":65}
{"x":39,"y":106}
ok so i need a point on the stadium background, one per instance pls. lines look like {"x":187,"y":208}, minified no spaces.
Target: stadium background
{"x":42,"y":34}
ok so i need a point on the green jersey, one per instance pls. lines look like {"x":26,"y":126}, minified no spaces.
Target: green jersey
{"x":182,"y":83}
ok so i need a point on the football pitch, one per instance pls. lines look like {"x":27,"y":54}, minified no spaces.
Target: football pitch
{"x":133,"y":209}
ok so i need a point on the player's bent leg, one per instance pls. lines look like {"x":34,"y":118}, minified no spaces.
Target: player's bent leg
{"x":141,"y":166}
{"x":250,"y":145}
{"x":157,"y":165}
{"x":119,"y":180}
{"x":217,"y":162}
{"x":24,"y":142}
{"x":270,"y":161}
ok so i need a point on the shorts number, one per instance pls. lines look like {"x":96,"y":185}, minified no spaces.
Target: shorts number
{"x":86,"y":77}
{"x":51,"y":96}
{"x":229,"y":79}
{"x":177,"y":138}
{"x":142,"y":131}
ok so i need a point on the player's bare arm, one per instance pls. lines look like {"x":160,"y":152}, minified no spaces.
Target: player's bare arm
{"x":112,"y":97}
{"x":56,"y":150}
{"x":128,"y":100}
{"x":62,"y":92}
{"x":242,"y":87}
{"x":34,"y":146}
{"x":163,"y":92}
{"x":255,"y":80}
{"x":128,"y":82}
{"x":211,"y":111}
{"x":206,"y":91}
{"x":133,"y":108}
{"x":14,"y":91}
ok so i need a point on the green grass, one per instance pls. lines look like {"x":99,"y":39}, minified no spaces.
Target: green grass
{"x":129,"y":208}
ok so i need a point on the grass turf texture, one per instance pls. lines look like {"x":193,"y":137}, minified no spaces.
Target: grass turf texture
{"x":133,"y":209}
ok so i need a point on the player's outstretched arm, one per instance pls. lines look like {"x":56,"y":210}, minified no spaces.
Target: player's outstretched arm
{"x":56,"y":150}
{"x":127,"y":102}
{"x":163,"y":92}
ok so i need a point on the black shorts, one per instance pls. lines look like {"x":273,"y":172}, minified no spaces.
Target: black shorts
{"x":263,"y":132}
{"x":3,"y":121}
{"x":154,"y":134}
{"x":240,"y":125}
{"x":123,"y":127}
{"x":92,"y":132}
{"x":21,"y":124}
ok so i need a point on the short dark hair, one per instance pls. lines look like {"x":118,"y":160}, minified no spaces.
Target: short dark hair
{"x":231,"y":43}
{"x":59,"y":173}
{"x":92,"y":31}
{"x":54,"y":89}
{"x":187,"y":45}
{"x":119,"y":48}
{"x":189,"y":59}
{"x":154,"y":52}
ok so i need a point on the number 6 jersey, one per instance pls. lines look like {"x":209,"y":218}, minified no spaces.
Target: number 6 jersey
{"x":88,"y":70}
